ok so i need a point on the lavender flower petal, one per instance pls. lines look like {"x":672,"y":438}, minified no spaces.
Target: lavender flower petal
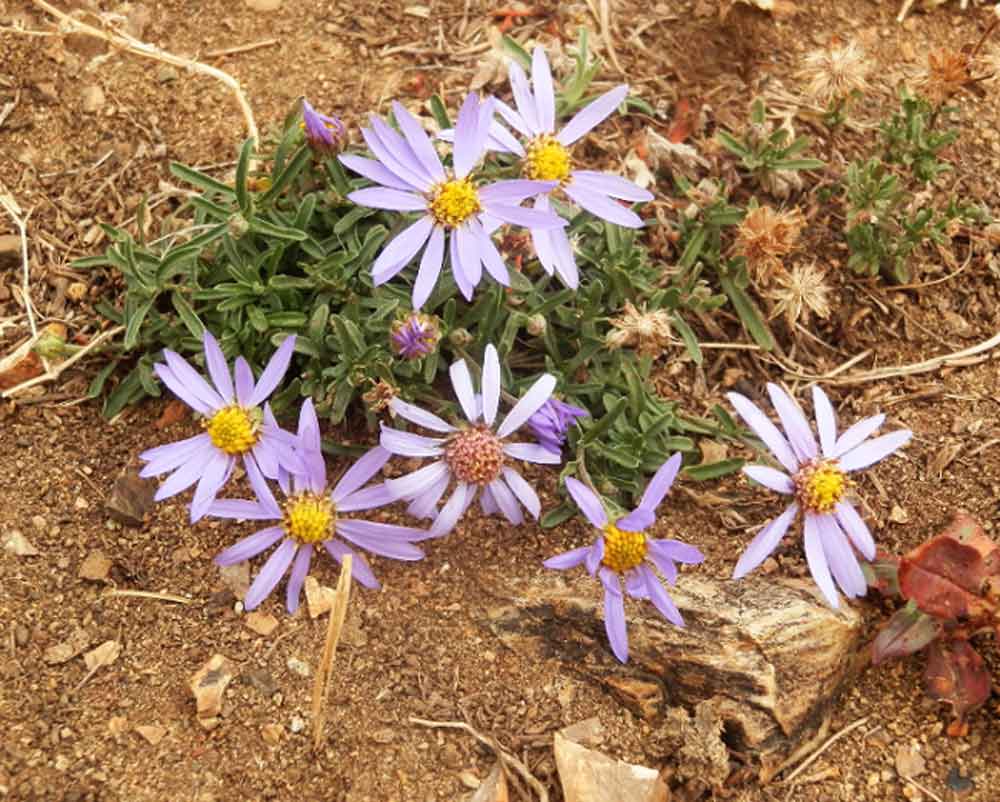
{"x":469,"y":255}
{"x":661,"y":483}
{"x":402,"y":153}
{"x":369,"y":498}
{"x":250,"y":546}
{"x":178,"y":388}
{"x":857,"y":434}
{"x":401,"y":250}
{"x":244,"y":381}
{"x":239,"y":510}
{"x":430,"y":268}
{"x":532,"y":452}
{"x":452,"y":510}
{"x":826,"y":421}
{"x":765,"y":430}
{"x":300,"y":568}
{"x":568,"y":559}
{"x":513,"y":119}
{"x":614,"y":186}
{"x":470,"y":135}
{"x":274,"y":371}
{"x":614,"y":615}
{"x":489,"y":254}
{"x":419,"y":142}
{"x":525,"y":493}
{"x":408,"y":444}
{"x":527,"y":218}
{"x":660,"y":598}
{"x":393,"y":200}
{"x":425,"y":505}
{"x":545,"y":96}
{"x":218,"y":369}
{"x":594,"y":556}
{"x":213,"y":477}
{"x":874,"y":450}
{"x":192,"y":380}
{"x":458,"y":271}
{"x":677,"y":551}
{"x":185,"y":476}
{"x":770,"y":478}
{"x":375,"y":171}
{"x":419,"y":416}
{"x":800,"y":436}
{"x":491,"y":384}
{"x":602,"y":206}
{"x":413,"y":484}
{"x":270,"y":575}
{"x":840,"y":558}
{"x":765,"y":542}
{"x":857,"y":530}
{"x":588,"y":502}
{"x":527,"y":405}
{"x":514,"y":191}
{"x":172,"y":455}
{"x":461,"y":381}
{"x":506,"y":502}
{"x":592,"y":115}
{"x":816,"y":558}
{"x":636,"y":521}
{"x":367,"y":465}
{"x":360,"y":569}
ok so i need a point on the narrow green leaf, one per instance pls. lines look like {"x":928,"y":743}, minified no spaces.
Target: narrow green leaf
{"x":134,"y":324}
{"x":243,"y":196}
{"x":261,"y":226}
{"x":559,"y":515}
{"x":283,"y":178}
{"x":199,"y":179}
{"x":187,"y":314}
{"x":749,"y":315}
{"x":687,"y":335}
{"x":713,"y":470}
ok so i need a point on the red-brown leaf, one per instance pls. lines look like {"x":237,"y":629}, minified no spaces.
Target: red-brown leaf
{"x":908,"y":631}
{"x":957,"y":675}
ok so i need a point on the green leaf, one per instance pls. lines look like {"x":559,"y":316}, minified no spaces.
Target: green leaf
{"x":187,"y":314}
{"x":798,"y":164}
{"x":732,"y":144}
{"x":516,"y":52}
{"x":559,"y":515}
{"x":200,"y":180}
{"x":287,"y":320}
{"x":257,"y":318}
{"x":134,"y":324}
{"x":260,"y":226}
{"x":687,"y":335}
{"x":693,"y":248}
{"x":286,"y":176}
{"x":243,"y":196}
{"x":440,"y":112}
{"x":97,"y":383}
{"x":713,"y":470}
{"x":749,"y":314}
{"x":600,"y":427}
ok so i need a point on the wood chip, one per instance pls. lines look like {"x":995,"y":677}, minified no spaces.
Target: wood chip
{"x":493,"y":788}
{"x":590,"y":776}
{"x":151,"y":732}
{"x":95,"y":567}
{"x":103,"y":655}
{"x":208,"y":687}
{"x":69,"y":648}
{"x":261,"y":623}
{"x":16,"y":543}
{"x":319,"y":598}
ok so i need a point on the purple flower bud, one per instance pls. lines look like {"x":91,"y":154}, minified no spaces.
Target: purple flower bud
{"x":552,"y":421}
{"x":324,"y":134}
{"x":415,"y":336}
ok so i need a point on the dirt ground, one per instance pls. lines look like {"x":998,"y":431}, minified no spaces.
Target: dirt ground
{"x":421,"y":647}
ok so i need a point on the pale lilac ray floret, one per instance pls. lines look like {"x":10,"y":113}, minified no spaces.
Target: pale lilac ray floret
{"x":235,"y":422}
{"x":456,"y":211}
{"x":623,"y":551}
{"x":323,"y":132}
{"x":818,"y":480}
{"x":474,"y":455}
{"x":313,"y":515}
{"x":551,"y":423}
{"x":546,"y":155}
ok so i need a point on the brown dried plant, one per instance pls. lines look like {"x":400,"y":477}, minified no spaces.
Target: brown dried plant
{"x":832,"y":74}
{"x":649,"y":333}
{"x":801,"y":292}
{"x":766,"y":236}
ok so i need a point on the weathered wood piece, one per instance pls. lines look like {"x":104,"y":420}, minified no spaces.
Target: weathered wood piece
{"x":762,"y":661}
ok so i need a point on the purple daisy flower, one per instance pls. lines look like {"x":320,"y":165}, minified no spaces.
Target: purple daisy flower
{"x":415,"y":336}
{"x":235,"y":424}
{"x":454,"y":208}
{"x":474,"y":455}
{"x":552,"y":421}
{"x":323,"y":133}
{"x":312,"y":515}
{"x":818,"y":479}
{"x":546,"y":156}
{"x":622,"y":551}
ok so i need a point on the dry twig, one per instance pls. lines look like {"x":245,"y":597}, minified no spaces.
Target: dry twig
{"x":507,"y":758}
{"x":56,"y":371}
{"x":133,"y":45}
{"x":321,"y":686}
{"x":11,"y":207}
{"x":146,"y":594}
{"x":826,"y":745}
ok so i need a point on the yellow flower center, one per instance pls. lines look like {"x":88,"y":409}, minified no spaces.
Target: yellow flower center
{"x":475,"y":455}
{"x":547,"y":160}
{"x":821,"y":485}
{"x":455,"y":202}
{"x":623,"y":550}
{"x":234,"y":429}
{"x":309,"y":518}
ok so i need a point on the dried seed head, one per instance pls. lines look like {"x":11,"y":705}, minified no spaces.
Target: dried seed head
{"x":647,"y":332}
{"x":379,"y":396}
{"x":764,"y":237}
{"x":799,"y":292}
{"x":832,"y":74}
{"x":947,"y":72}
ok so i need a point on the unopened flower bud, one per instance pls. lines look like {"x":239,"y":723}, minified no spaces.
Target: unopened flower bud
{"x":460,"y":337}
{"x":238,"y":226}
{"x":536,"y":325}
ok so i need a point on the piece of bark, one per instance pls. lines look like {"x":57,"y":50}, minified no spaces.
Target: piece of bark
{"x":769,"y":656}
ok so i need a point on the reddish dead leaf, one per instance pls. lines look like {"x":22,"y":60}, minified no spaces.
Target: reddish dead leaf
{"x":937,"y":595}
{"x":26,"y":367}
{"x":957,"y":675}
{"x":966,"y":529}
{"x":175,"y":411}
{"x":908,"y":631}
{"x":685,"y":121}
